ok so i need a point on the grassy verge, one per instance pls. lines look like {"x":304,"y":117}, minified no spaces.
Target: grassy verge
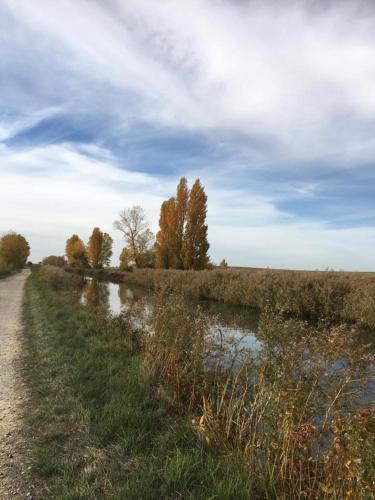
{"x":103,"y":426}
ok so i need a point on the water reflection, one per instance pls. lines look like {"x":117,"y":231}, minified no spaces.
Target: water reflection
{"x":239,"y":323}
{"x":96,"y":295}
{"x":228,"y":322}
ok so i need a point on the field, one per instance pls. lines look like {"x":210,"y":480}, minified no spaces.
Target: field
{"x":161,"y":406}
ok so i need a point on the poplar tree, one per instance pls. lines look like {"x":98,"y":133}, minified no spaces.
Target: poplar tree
{"x":195,"y":245}
{"x":106,"y":250}
{"x":99,"y":249}
{"x":75,"y":251}
{"x":94,"y":248}
{"x":165,"y":247}
{"x":182,"y":198}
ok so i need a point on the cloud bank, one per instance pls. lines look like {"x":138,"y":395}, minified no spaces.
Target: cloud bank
{"x":105,"y":104}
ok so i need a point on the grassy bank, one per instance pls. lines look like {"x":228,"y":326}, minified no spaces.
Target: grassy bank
{"x":329,"y":296}
{"x":178,"y":418}
{"x":104,"y":426}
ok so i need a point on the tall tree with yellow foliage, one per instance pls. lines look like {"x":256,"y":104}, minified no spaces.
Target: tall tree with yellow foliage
{"x":94,"y":248}
{"x":99,"y":249}
{"x":165,"y":247}
{"x":75,"y":251}
{"x":182,"y":199}
{"x":195,"y":245}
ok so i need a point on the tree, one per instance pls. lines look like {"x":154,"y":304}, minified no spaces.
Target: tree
{"x":137,"y":234}
{"x":106,"y":249}
{"x":169,"y":239}
{"x":14,"y":250}
{"x":54,"y":260}
{"x":76,"y":252}
{"x":182,"y":199}
{"x":94,"y":248}
{"x":125,"y":259}
{"x":195,"y":245}
{"x":223,"y":263}
{"x":166,"y":238}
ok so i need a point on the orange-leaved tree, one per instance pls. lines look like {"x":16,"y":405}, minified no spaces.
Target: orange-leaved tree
{"x":182,"y":199}
{"x":99,"y":249}
{"x":195,"y":245}
{"x":166,"y":238}
{"x":94,"y":248}
{"x":75,"y":251}
{"x":14,"y":250}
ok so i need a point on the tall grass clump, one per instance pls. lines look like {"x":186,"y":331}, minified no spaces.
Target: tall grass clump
{"x":290,"y":411}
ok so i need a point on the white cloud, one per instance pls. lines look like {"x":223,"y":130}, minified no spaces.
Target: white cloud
{"x":300,"y":78}
{"x":50,"y":192}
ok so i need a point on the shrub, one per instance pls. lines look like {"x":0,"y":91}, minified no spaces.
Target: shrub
{"x":54,"y":260}
{"x":277,"y":410}
{"x":57,"y":279}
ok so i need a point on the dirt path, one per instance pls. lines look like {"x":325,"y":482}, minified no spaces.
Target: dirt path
{"x":13,"y":450}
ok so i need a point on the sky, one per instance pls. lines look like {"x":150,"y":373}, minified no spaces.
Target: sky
{"x":105,"y":104}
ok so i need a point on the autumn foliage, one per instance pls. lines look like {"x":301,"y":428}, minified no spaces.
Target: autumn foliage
{"x":75,"y":251}
{"x":14,"y":251}
{"x":99,"y":249}
{"x":167,"y":255}
{"x":54,"y":260}
{"x":181,"y":242}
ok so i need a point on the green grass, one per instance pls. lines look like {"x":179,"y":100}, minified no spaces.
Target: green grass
{"x":103,"y":426}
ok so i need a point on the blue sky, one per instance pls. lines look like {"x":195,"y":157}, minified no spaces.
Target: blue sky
{"x":106,"y":104}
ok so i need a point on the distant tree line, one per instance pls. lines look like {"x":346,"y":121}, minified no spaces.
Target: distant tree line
{"x":96,"y":254}
{"x":180,"y":243}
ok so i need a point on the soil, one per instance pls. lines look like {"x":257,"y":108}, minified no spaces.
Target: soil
{"x":14,"y":444}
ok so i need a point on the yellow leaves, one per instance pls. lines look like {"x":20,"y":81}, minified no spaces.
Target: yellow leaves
{"x":182,"y":238}
{"x":75,"y":251}
{"x":99,"y":248}
{"x":94,"y":247}
{"x":14,"y":251}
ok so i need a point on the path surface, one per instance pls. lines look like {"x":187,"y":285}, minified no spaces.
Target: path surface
{"x":13,"y":450}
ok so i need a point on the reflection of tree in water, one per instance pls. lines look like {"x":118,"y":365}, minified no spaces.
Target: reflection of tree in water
{"x":96,"y":295}
{"x":129,"y":296}
{"x":244,"y":319}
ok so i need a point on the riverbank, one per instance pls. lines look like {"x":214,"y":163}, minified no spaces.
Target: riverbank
{"x":329,"y":296}
{"x":158,"y":421}
{"x":104,"y":426}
